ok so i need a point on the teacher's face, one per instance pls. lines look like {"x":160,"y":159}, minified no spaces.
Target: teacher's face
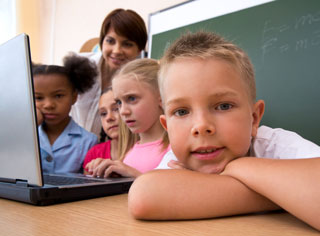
{"x":118,"y":50}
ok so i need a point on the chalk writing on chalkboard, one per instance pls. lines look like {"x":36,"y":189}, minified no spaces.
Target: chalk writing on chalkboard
{"x":275,"y":36}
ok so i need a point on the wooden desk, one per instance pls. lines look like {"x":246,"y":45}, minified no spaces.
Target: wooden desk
{"x":109,"y":216}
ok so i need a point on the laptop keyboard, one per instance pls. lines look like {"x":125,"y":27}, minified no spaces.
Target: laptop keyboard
{"x":67,"y":180}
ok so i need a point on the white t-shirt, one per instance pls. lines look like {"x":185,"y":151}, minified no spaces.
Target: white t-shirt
{"x":271,"y":143}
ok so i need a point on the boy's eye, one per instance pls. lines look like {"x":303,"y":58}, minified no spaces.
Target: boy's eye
{"x":181,"y":112}
{"x":224,"y":106}
{"x":131,"y":98}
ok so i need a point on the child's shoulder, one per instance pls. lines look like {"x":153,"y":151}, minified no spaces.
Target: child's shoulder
{"x":76,"y":129}
{"x":281,"y":143}
{"x":151,"y":144}
{"x":280,"y":135}
{"x":103,"y":145}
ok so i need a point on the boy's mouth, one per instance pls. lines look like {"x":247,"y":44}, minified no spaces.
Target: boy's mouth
{"x":207,"y":153}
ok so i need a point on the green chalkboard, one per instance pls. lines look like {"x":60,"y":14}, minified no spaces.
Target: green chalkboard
{"x":282,"y":38}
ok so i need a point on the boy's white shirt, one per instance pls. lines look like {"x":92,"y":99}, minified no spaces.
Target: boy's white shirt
{"x":271,"y":143}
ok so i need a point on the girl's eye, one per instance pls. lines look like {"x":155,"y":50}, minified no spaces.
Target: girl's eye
{"x":38,"y":98}
{"x":103,"y":114}
{"x":118,"y":102}
{"x":59,"y":95}
{"x":181,"y":112}
{"x":115,"y":109}
{"x":224,"y":106}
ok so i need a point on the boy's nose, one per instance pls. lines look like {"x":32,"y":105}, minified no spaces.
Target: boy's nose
{"x":203,"y":127}
{"x":201,"y":130}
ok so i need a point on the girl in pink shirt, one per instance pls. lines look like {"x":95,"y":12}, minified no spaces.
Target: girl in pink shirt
{"x":136,"y":91}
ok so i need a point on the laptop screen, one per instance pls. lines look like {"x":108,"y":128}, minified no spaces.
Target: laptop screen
{"x":19,"y":150}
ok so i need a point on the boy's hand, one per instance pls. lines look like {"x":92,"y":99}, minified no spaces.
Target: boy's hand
{"x":107,"y":168}
{"x":176,"y":165}
{"x":39,"y":117}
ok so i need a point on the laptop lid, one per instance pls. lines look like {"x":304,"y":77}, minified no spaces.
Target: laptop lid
{"x":19,"y":149}
{"x":21,"y":177}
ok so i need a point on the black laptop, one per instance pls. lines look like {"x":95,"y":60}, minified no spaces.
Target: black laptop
{"x":21,"y":177}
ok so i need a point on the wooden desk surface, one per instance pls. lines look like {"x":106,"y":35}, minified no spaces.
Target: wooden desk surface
{"x":109,"y":216}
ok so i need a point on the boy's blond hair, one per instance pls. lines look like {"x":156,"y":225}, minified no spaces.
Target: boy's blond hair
{"x":143,"y":70}
{"x":208,"y":45}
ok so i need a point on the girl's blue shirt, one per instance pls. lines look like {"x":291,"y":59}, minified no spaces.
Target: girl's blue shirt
{"x":67,"y":153}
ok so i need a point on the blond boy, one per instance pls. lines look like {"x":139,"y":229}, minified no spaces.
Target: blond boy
{"x":212,"y":117}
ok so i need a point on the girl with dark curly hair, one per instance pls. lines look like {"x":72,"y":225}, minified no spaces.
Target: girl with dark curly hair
{"x":63,"y":143}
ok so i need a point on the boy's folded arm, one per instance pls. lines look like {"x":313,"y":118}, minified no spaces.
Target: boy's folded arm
{"x":292,"y":184}
{"x":184,"y":194}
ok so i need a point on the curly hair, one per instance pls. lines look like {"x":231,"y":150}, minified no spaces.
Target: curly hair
{"x":80,"y":71}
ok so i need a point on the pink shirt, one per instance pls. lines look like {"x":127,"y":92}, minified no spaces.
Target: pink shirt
{"x":147,"y":156}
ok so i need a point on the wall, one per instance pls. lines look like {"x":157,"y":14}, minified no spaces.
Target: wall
{"x":59,"y":26}
{"x":28,"y":21}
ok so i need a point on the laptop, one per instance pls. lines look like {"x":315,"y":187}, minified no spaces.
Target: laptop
{"x":21,"y":176}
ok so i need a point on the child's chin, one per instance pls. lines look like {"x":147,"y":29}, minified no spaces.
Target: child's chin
{"x":210,"y":169}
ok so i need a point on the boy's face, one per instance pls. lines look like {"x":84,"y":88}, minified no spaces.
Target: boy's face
{"x":208,"y":114}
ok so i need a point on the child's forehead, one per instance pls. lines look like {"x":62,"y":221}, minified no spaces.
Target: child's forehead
{"x":184,"y":69}
{"x":130,"y":84}
{"x":51,"y":76}
{"x":52,"y":79}
{"x":186,"y":61}
{"x":123,"y":79}
{"x":107,"y":95}
{"x":107,"y":99}
{"x":193,"y":77}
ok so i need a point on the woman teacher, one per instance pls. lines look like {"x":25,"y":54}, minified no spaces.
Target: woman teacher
{"x":123,"y":36}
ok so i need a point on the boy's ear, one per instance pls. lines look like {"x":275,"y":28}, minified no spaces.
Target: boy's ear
{"x":258,"y":110}
{"x":74,"y":97}
{"x":163,"y":122}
